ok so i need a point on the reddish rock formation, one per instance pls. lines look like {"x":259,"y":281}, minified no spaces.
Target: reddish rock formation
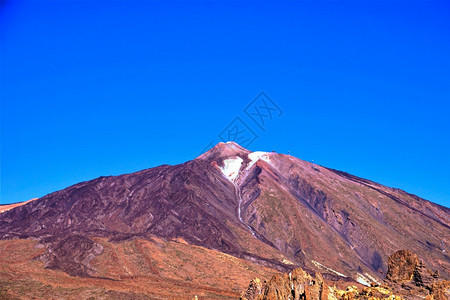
{"x":296,"y":285}
{"x":278,"y":287}
{"x":255,"y":288}
{"x":416,"y":280}
{"x":401,"y":266}
{"x":440,"y":290}
{"x":408,"y":279}
{"x":422,"y":276}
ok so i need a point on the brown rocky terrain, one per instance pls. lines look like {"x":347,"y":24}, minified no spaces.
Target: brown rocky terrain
{"x":267,"y":211}
{"x":408,"y":276}
{"x":135,"y":269}
{"x":404,"y":267}
{"x":296,"y":285}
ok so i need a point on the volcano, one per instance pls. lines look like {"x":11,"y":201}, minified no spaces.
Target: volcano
{"x":206,"y":226}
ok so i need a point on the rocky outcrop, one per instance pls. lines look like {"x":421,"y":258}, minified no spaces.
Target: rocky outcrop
{"x":405,"y":266}
{"x":408,"y":276}
{"x":439,"y":290}
{"x":401,"y":266}
{"x":424,"y":277}
{"x":278,"y":287}
{"x":299,"y":285}
{"x":295,"y":286}
{"x":255,"y":288}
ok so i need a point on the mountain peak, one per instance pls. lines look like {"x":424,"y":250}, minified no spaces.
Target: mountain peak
{"x":230,"y":145}
{"x":225,"y":150}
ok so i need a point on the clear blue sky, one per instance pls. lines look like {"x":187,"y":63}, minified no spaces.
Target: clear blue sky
{"x":91,"y":88}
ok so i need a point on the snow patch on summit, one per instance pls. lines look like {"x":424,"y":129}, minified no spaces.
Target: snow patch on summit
{"x":257,"y":155}
{"x":231,"y":167}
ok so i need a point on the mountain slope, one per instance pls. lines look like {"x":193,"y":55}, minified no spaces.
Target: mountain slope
{"x":309,"y":211}
{"x":267,"y":208}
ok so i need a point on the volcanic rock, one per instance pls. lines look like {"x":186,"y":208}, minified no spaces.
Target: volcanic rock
{"x":296,"y":285}
{"x":255,"y":288}
{"x":410,"y":280}
{"x":401,"y":266}
{"x":440,"y":290}
{"x":416,"y":279}
{"x":422,"y":276}
{"x":73,"y":254}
